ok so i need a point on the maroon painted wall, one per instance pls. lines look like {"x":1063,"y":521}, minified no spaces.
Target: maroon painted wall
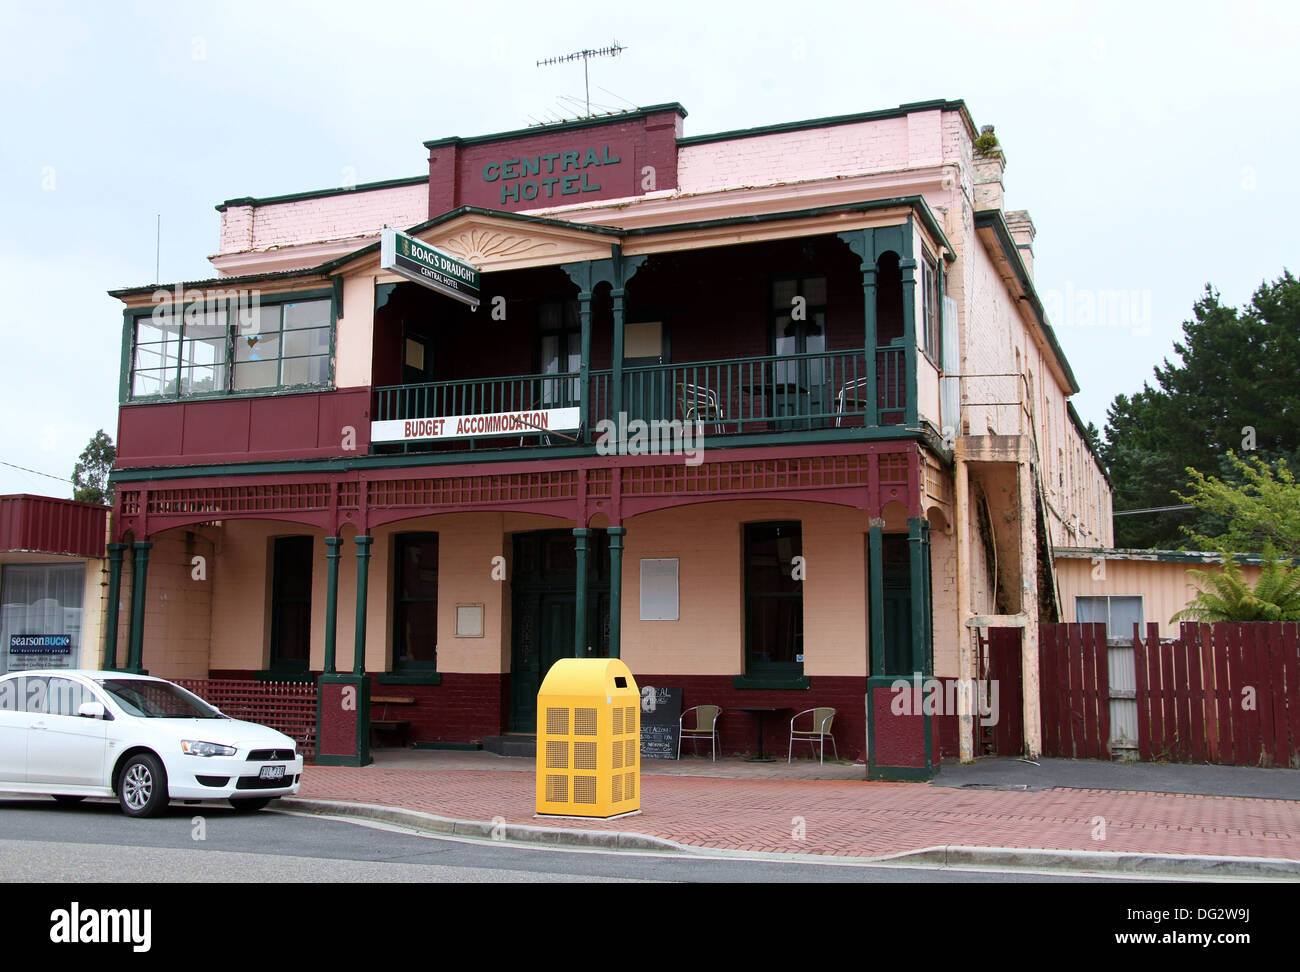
{"x":48,"y":524}
{"x":474,"y":172}
{"x":308,"y":425}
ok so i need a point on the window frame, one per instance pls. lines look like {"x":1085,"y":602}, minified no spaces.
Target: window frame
{"x":400,"y":543}
{"x":275,"y":664}
{"x":1140,"y":598}
{"x":931,"y":309}
{"x":769,"y":671}
{"x":131,"y":344}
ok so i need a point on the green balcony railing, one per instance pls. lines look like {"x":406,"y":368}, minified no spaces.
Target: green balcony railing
{"x":771,"y":393}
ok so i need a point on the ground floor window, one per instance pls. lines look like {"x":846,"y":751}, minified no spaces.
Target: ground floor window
{"x":1117,"y":613}
{"x":40,"y":616}
{"x":415,"y":603}
{"x":291,"y":604}
{"x":774,"y":599}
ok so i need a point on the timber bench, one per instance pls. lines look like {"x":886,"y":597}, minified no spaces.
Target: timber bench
{"x":397,"y":726}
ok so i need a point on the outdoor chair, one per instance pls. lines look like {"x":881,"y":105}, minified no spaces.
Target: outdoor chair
{"x":706,"y":727}
{"x":817,"y":735}
{"x":851,"y":391}
{"x":698,"y":403}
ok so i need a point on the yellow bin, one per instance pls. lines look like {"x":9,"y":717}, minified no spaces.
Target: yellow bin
{"x":588,"y":739}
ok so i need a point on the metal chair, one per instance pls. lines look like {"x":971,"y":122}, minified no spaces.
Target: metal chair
{"x":698,"y":403}
{"x":851,"y":391}
{"x":706,"y":727}
{"x":821,"y":720}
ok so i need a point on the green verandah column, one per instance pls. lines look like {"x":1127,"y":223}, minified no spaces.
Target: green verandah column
{"x":363,"y":575}
{"x":332,"y":553}
{"x":114,"y":597}
{"x":139,"y":581}
{"x":616,"y":534}
{"x":862,"y":243}
{"x":580,"y":535}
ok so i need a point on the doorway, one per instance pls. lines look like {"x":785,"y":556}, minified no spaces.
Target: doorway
{"x":544,"y":586}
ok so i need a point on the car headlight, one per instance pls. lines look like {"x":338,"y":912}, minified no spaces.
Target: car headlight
{"x":196,"y":748}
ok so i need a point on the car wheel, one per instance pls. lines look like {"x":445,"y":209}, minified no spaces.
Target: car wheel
{"x":249,"y":804}
{"x":142,"y":787}
{"x":66,"y":799}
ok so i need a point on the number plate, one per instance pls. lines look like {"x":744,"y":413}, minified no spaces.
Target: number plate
{"x":271,"y":773}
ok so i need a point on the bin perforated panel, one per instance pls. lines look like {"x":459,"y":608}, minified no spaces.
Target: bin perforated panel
{"x":584,"y":722}
{"x":584,"y":756}
{"x":557,"y":722}
{"x":557,"y":754}
{"x":584,"y":789}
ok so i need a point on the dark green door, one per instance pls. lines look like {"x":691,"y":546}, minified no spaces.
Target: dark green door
{"x":544,"y":584}
{"x":898,"y":606}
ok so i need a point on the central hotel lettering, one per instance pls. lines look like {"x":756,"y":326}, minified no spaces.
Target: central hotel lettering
{"x":549,"y":170}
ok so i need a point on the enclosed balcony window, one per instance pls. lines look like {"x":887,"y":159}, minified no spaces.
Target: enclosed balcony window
{"x":230,"y":345}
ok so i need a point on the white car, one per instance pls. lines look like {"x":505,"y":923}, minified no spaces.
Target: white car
{"x":73,"y":734}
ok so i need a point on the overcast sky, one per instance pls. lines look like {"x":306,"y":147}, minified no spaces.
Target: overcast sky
{"x":1156,"y":149}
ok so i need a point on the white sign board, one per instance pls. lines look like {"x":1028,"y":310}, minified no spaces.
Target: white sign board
{"x":468,"y":426}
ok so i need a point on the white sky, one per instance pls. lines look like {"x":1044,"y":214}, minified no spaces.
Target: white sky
{"x":1154,"y":145}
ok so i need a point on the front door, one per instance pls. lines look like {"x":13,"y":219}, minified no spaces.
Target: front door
{"x":544,"y":583}
{"x":799,"y":328}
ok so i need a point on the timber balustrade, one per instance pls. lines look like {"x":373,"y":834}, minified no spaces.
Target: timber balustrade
{"x":770,"y":393}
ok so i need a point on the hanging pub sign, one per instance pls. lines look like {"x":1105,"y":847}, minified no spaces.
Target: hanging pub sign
{"x":428,"y":266}
{"x":469,"y":426}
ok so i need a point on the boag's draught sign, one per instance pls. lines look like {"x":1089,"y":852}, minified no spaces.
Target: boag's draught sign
{"x":428,"y":266}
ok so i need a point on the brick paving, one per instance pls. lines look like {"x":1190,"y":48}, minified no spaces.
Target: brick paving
{"x":839,"y":817}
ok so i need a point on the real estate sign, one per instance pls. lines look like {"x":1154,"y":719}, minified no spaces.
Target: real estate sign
{"x":428,"y":266}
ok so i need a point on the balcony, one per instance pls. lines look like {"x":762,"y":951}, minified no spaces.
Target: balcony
{"x":765,"y":395}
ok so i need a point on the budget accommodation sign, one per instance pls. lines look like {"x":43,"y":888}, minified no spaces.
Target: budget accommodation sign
{"x":470,"y":426}
{"x":428,"y":266}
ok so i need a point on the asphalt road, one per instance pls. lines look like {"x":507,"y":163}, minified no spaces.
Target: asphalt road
{"x":94,"y":841}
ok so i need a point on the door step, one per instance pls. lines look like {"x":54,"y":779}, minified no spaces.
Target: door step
{"x":512,"y":744}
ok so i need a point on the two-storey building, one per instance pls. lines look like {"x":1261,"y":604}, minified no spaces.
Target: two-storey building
{"x":770,"y":414}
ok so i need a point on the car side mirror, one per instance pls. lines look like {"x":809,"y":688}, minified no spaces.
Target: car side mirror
{"x":91,"y":710}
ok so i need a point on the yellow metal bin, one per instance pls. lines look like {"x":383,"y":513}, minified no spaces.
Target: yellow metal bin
{"x":588,"y":739}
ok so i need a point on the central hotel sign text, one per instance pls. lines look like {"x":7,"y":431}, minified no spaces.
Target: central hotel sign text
{"x":549,"y":174}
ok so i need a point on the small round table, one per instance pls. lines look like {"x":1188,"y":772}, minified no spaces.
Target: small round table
{"x":760,"y":711}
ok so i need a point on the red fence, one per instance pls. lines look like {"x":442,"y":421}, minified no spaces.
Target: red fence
{"x":289,"y":707}
{"x":1221,"y":693}
{"x":1074,"y":690}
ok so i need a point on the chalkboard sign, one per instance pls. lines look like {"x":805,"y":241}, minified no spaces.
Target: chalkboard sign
{"x":661,"y":712}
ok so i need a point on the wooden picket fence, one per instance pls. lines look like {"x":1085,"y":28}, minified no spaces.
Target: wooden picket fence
{"x":1222,"y":693}
{"x":1074,"y":690}
{"x":288,"y":707}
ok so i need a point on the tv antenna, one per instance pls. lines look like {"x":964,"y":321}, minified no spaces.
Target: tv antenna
{"x":614,"y":50}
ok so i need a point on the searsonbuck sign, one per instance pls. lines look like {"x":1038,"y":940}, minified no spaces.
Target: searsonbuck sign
{"x":428,"y":266}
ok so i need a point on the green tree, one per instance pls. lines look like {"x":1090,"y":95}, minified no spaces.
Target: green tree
{"x":1233,"y":387}
{"x":1260,"y":507}
{"x":90,"y":475}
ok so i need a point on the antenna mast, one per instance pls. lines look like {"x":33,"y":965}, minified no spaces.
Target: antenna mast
{"x":614,"y":50}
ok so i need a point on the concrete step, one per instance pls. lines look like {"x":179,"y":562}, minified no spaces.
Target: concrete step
{"x":523,"y":744}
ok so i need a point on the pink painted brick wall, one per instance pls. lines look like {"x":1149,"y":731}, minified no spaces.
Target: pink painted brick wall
{"x":347,"y":214}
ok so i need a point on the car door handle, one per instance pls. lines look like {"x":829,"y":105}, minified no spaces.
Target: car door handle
{"x":38,"y":725}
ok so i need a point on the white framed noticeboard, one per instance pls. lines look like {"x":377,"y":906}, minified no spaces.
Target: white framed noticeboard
{"x":659,"y":589}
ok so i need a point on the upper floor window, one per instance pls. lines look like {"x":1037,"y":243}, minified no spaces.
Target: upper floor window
{"x":230,"y":345}
{"x":930,"y":308}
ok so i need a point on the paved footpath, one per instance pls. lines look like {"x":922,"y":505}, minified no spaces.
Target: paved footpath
{"x":845,"y":817}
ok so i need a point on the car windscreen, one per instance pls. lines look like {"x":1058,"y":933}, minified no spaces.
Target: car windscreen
{"x":157,"y":700}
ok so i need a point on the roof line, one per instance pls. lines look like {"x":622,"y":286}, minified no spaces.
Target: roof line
{"x":993,"y":219}
{"x":833,"y":120}
{"x":558,"y":126}
{"x":319,"y":193}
